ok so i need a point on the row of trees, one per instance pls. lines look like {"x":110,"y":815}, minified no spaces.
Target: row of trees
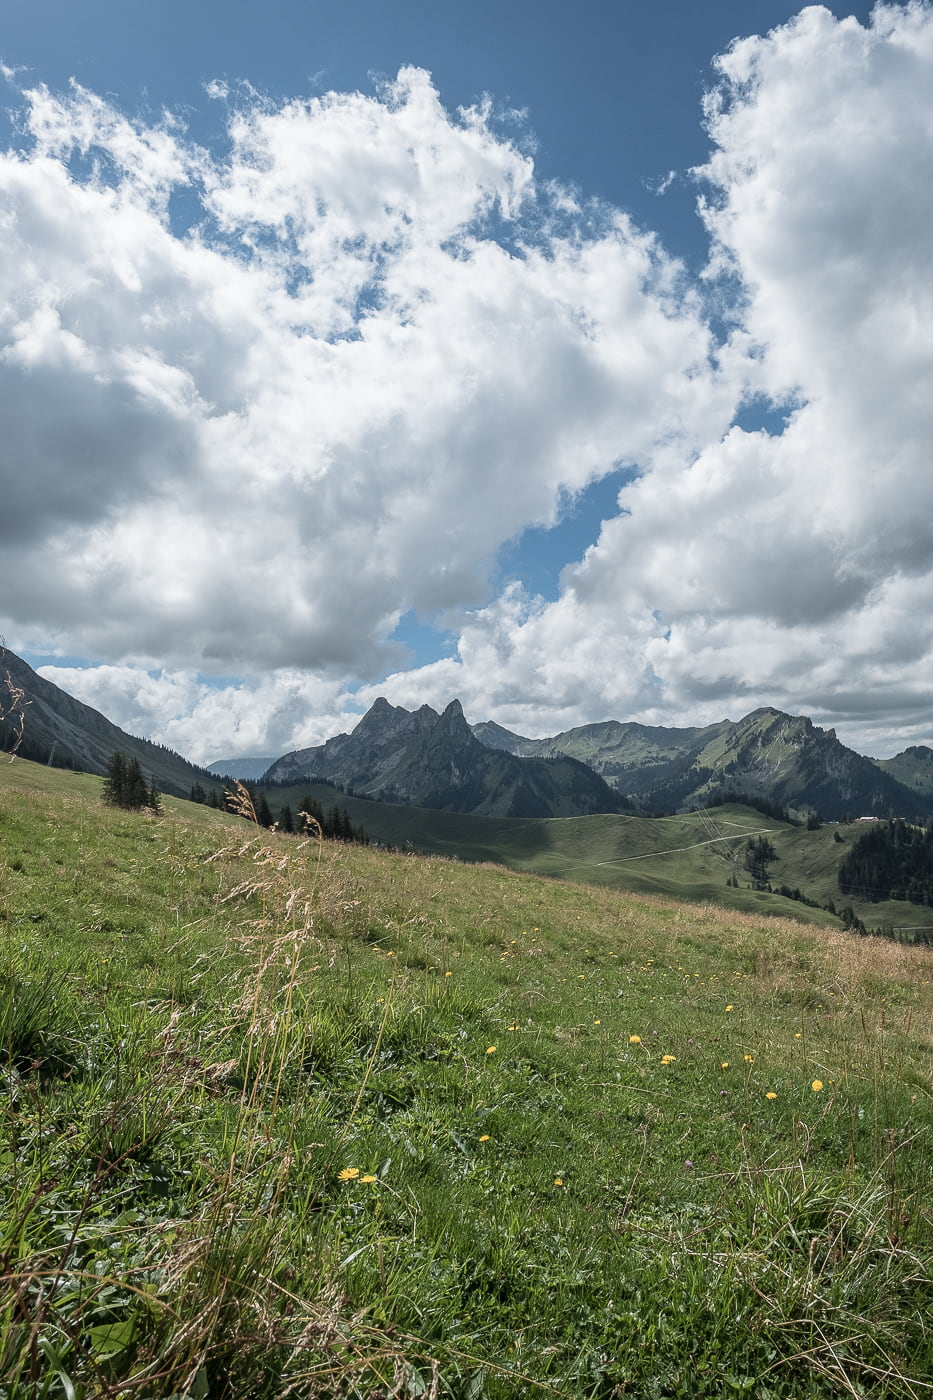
{"x":334,"y":824}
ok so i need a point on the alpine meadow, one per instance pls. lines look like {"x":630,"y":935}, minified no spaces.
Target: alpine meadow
{"x":300,"y":1117}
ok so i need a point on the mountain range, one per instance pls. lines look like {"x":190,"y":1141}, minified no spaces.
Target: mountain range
{"x":438,"y":761}
{"x":431,"y":760}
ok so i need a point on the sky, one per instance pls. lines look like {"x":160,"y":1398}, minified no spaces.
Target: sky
{"x":575,"y":362}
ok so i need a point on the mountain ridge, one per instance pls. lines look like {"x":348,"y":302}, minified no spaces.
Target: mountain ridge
{"x":784,"y":758}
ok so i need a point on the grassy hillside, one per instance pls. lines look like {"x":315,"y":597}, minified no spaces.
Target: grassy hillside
{"x":689,"y":857}
{"x":283,"y":1118}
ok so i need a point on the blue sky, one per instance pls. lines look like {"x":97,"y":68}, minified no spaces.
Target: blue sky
{"x":510,"y":319}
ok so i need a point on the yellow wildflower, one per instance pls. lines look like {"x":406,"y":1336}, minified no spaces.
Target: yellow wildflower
{"x":558,"y":1181}
{"x":724,"y":1065}
{"x":348,"y":1174}
{"x":749,"y":1059}
{"x":484,"y":1138}
{"x":728,"y":1008}
{"x":490,"y":1049}
{"x":817,"y":1085}
{"x":771,"y":1095}
{"x":668,"y":1059}
{"x":634,"y":1040}
{"x":368,"y":1178}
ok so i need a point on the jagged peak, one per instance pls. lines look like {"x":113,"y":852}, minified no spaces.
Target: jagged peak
{"x":380,"y":712}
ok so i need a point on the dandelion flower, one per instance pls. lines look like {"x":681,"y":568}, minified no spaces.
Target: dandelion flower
{"x":771,"y":1095}
{"x":558,"y":1181}
{"x":724,"y":1065}
{"x":368,"y":1178}
{"x":668,"y":1059}
{"x":484,"y":1138}
{"x":729,"y":1008}
{"x":749,"y":1059}
{"x":348,"y":1174}
{"x":448,"y":974}
{"x":634,"y":1040}
{"x":817,"y":1085}
{"x":490,"y":1049}
{"x":597,"y":1023}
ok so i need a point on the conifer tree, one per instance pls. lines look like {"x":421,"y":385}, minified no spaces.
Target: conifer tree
{"x":115,"y":785}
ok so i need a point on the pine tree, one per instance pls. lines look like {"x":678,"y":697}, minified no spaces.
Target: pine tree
{"x":137,"y":789}
{"x":115,"y":785}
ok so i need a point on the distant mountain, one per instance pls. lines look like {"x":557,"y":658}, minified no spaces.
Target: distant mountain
{"x":913,"y":768}
{"x":64,"y":732}
{"x":433,"y":760}
{"x":782,"y":758}
{"x":636,"y":759}
{"x":247,"y":770}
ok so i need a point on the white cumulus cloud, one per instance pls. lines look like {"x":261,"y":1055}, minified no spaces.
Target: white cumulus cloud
{"x":381,"y":352}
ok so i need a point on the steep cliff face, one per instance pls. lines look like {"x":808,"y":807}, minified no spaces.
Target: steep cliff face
{"x":434,"y":760}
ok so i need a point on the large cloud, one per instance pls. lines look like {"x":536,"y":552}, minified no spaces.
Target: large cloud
{"x":382,"y":352}
{"x":390,"y":349}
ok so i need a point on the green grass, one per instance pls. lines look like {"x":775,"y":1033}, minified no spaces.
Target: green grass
{"x":598,"y":1163}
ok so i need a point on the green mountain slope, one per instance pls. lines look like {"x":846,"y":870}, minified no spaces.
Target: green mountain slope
{"x":60,"y":730}
{"x":913,"y":768}
{"x":693,"y":857}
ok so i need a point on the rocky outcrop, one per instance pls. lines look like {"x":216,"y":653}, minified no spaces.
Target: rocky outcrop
{"x":433,"y":760}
